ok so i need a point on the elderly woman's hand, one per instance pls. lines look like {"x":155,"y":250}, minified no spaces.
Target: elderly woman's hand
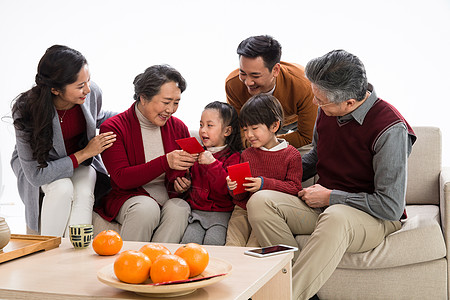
{"x":182,"y":184}
{"x":181,"y":160}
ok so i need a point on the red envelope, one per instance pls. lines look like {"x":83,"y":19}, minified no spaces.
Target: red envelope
{"x":190,"y":145}
{"x":187,"y":280}
{"x":238,"y":173}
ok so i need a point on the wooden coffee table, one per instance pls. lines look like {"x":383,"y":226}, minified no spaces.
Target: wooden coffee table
{"x":68,"y":273}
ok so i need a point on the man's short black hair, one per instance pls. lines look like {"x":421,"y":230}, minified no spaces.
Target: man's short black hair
{"x":262,"y":45}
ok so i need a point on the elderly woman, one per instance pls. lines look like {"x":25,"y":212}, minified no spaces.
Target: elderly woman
{"x":146,"y":169}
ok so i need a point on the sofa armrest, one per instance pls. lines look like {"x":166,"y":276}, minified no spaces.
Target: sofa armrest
{"x":444,"y":188}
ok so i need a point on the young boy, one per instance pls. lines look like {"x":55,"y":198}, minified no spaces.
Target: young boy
{"x":275,"y":165}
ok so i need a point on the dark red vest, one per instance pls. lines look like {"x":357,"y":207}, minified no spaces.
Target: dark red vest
{"x":345,"y":151}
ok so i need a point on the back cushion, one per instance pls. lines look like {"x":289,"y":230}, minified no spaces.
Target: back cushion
{"x":424,"y":167}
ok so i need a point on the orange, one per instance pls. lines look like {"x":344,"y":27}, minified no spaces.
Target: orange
{"x":107,"y":242}
{"x":168,"y":267}
{"x":154,"y":250}
{"x":196,"y":257}
{"x":132,"y":266}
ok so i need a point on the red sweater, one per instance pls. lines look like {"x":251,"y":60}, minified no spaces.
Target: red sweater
{"x":209,"y":190}
{"x":281,"y":171}
{"x":73,"y":128}
{"x":125,"y":160}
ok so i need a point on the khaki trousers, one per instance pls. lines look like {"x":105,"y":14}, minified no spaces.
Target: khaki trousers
{"x":239,"y":232}
{"x":144,"y":220}
{"x":277,"y":217}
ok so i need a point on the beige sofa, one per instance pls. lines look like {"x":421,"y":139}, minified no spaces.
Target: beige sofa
{"x":412,"y":262}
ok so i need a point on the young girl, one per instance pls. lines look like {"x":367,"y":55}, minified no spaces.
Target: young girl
{"x":274,"y":164}
{"x":208,"y":196}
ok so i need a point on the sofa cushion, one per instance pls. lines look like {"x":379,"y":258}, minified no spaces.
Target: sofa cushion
{"x":419,"y":240}
{"x":424,"y":166}
{"x":101,"y":224}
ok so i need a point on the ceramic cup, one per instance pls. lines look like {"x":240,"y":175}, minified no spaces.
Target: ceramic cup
{"x":81,"y":235}
{"x":5,"y":233}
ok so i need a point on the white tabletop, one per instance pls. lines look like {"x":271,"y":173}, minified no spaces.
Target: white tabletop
{"x":68,"y":273}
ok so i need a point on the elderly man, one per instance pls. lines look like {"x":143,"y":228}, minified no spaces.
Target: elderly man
{"x":260,"y":71}
{"x":360,"y":149}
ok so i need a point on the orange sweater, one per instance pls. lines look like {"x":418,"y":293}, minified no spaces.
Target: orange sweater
{"x":293,"y":90}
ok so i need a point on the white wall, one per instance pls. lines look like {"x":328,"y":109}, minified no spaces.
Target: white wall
{"x":404,"y":45}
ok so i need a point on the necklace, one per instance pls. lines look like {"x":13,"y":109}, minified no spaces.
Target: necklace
{"x":61,"y":118}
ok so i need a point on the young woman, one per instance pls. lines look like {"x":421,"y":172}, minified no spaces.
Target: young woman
{"x":208,"y":196}
{"x":274,"y":164}
{"x":56,"y":152}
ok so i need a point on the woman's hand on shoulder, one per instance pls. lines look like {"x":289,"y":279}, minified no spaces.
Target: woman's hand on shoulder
{"x":96,"y":145}
{"x":206,"y":158}
{"x":181,"y":160}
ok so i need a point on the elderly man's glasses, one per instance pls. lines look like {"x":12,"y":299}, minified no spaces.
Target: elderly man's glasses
{"x":321,"y":105}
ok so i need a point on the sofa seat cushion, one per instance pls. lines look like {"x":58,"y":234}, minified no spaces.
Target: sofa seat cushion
{"x":101,"y":224}
{"x":419,"y":240}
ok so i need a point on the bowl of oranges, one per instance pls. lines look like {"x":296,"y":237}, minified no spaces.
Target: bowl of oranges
{"x":154,"y":271}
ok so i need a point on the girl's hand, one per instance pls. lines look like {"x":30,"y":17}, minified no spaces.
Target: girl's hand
{"x":206,"y":158}
{"x":181,"y":160}
{"x":254,"y":185}
{"x":182,"y":184}
{"x":96,"y":146}
{"x":232,"y":185}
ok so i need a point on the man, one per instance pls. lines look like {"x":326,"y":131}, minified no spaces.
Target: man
{"x":260,"y":71}
{"x":360,"y":149}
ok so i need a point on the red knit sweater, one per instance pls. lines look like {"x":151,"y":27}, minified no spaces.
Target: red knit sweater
{"x":281,"y":171}
{"x":209,"y":190}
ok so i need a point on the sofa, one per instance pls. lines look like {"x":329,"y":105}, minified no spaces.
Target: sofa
{"x":412,"y":262}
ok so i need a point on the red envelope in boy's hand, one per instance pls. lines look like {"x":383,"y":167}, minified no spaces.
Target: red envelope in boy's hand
{"x":190,"y":145}
{"x":238,"y":173}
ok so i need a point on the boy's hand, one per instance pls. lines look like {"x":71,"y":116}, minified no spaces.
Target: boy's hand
{"x":254,"y":185}
{"x":182,"y":184}
{"x":232,"y":185}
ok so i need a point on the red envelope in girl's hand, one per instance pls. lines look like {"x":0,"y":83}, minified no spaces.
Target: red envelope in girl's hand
{"x":238,"y":173}
{"x":190,"y":145}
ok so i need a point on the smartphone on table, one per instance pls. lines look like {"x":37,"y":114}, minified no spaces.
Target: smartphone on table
{"x":271,"y":250}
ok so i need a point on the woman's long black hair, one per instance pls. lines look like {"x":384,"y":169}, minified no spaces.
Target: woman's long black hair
{"x":34,"y":110}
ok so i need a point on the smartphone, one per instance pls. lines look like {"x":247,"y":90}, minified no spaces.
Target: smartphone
{"x":271,"y":250}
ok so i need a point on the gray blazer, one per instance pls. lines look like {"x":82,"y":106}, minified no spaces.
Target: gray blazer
{"x":30,"y":177}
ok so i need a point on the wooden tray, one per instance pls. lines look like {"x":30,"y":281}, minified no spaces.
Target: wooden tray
{"x":22,"y":244}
